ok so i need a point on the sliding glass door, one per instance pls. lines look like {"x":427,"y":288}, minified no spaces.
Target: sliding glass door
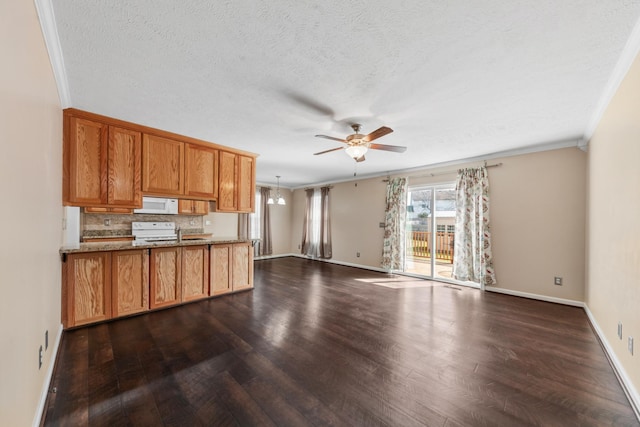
{"x":430,"y":230}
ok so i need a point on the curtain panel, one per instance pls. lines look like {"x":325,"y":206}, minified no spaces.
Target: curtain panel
{"x":393,"y":249}
{"x":307,"y":225}
{"x":472,"y":246}
{"x":265,"y":223}
{"x":324,"y":245}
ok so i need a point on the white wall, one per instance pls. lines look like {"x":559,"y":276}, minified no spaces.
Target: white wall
{"x":538,"y":219}
{"x":31,"y":214}
{"x":613,"y":229}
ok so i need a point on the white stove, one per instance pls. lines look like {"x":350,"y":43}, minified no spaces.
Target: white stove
{"x":149,"y":232}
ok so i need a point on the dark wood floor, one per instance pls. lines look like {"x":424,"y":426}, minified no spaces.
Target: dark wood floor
{"x":321,"y":344}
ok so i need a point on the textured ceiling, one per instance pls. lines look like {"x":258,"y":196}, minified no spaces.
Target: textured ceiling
{"x":454,"y":79}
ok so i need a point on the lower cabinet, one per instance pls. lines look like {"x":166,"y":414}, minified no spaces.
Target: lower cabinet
{"x":242,"y":266}
{"x":97,"y":286}
{"x":86,"y":297}
{"x":195,"y":272}
{"x":165,"y":280}
{"x":231,"y":268}
{"x":220,"y":269}
{"x":129,"y":282}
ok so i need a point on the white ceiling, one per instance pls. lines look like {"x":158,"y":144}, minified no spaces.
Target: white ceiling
{"x":454,"y":79}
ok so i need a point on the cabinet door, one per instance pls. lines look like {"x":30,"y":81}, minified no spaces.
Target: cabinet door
{"x":88,"y":288}
{"x":195,"y":272}
{"x":242,"y":266}
{"x":220,"y":269}
{"x":129,"y":282}
{"x":124,"y":187}
{"x":87,"y":162}
{"x":185,"y":206}
{"x":164,"y":278}
{"x":246,"y":186}
{"x":227,"y":182}
{"x":162,"y":166}
{"x":200,"y":207}
{"x":201,"y":171}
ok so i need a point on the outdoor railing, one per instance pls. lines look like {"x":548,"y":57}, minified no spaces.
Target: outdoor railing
{"x":419,"y":245}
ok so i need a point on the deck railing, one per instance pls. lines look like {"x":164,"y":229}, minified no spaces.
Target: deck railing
{"x":419,"y":245}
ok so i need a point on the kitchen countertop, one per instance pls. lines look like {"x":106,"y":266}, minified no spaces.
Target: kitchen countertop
{"x":121,"y":246}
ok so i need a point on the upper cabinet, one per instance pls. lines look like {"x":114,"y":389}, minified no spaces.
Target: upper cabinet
{"x":101,"y":164}
{"x":200,"y":171}
{"x":236,"y":182}
{"x":163,"y":166}
{"x":109,"y":163}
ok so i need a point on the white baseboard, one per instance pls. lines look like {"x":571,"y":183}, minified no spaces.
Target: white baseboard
{"x":258,"y":258}
{"x":535,"y":296}
{"x":47,"y":380}
{"x":347,"y":264}
{"x":618,"y":369}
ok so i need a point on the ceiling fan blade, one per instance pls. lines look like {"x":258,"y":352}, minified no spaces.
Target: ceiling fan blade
{"x":377,"y":133}
{"x":360,"y":159}
{"x":331,"y":137}
{"x":395,"y":148}
{"x":328,"y":151}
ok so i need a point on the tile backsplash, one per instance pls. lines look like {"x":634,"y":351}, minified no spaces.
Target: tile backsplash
{"x":101,"y":225}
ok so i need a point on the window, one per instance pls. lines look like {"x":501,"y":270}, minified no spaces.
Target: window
{"x":451,"y":228}
{"x":440,"y":228}
{"x":254,"y":218}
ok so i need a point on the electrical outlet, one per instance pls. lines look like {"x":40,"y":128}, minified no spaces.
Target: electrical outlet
{"x":620,"y":330}
{"x":381,"y":225}
{"x":192,"y":222}
{"x":40,"y":358}
{"x":630,"y":345}
{"x":207,"y":222}
{"x":557,"y":281}
{"x":107,"y":222}
{"x":46,"y":339}
{"x":358,"y":254}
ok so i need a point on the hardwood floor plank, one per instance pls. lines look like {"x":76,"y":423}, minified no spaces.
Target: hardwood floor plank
{"x":321,"y":344}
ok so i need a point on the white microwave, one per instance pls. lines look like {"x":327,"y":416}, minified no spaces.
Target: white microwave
{"x":158,"y":205}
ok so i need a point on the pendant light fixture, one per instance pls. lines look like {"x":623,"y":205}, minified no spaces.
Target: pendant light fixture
{"x":279,"y":198}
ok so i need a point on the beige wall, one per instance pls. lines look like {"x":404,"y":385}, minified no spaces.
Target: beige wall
{"x":281,"y":224}
{"x":538,"y":219}
{"x":613,"y":229}
{"x":31,"y":170}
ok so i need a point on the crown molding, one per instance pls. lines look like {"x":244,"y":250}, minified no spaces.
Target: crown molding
{"x":555,"y":145}
{"x":629,"y":54}
{"x":46,"y":16}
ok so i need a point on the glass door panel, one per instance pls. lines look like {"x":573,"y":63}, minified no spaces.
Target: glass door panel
{"x":419,"y":224}
{"x":445,"y":219}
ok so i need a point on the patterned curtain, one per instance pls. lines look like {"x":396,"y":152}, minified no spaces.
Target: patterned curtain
{"x":394,"y":224}
{"x":265,"y":223}
{"x":324,"y":245}
{"x":472,"y":247}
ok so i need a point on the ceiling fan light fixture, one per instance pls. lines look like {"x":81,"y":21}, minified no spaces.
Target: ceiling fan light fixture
{"x":356,"y":151}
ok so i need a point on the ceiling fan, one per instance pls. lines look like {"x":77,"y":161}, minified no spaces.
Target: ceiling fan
{"x":358,"y":144}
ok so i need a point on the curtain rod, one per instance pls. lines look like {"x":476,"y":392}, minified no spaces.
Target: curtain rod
{"x":495,"y":165}
{"x":315,"y":188}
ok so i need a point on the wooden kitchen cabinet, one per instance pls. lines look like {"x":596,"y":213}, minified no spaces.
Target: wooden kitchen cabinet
{"x":162,"y":166}
{"x":86,"y":290}
{"x":246,"y":184}
{"x":231,"y":268}
{"x":201,"y":171}
{"x":236,"y":183}
{"x":220,"y":269}
{"x":129,"y":282}
{"x":195,"y":272}
{"x":165,"y":278}
{"x":101,"y":164}
{"x":193,"y":207}
{"x":242,"y":266}
{"x":93,"y":209}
